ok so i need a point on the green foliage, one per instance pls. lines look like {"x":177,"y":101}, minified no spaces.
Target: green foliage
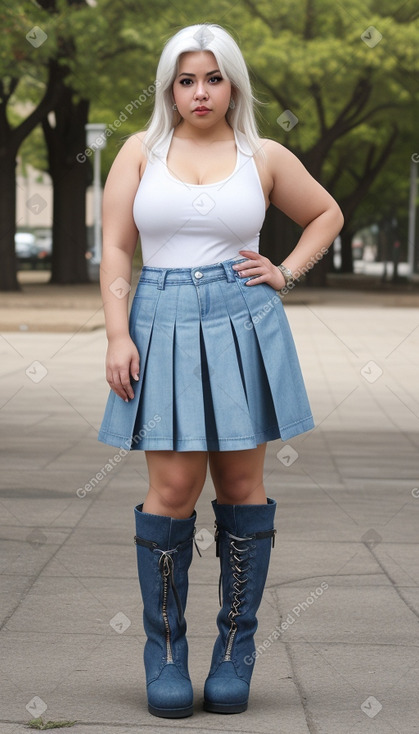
{"x":304,"y":55}
{"x":309,"y":57}
{"x":41,"y":725}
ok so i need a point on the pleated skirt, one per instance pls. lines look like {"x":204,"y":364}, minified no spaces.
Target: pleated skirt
{"x":219,"y":369}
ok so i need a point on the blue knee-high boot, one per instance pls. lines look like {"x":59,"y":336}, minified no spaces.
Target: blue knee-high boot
{"x":244,"y":535}
{"x":164,"y":554}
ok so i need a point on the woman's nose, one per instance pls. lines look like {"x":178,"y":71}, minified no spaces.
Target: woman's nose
{"x":200,"y":91}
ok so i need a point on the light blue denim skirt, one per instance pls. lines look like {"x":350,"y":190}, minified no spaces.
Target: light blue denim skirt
{"x":218,"y":366}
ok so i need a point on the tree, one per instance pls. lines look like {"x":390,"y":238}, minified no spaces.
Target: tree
{"x":24,"y":49}
{"x":81,"y":46}
{"x":340,"y":80}
{"x":84,"y":58}
{"x":64,"y":138}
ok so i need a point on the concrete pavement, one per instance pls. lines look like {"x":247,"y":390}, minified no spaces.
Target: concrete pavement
{"x":342,"y":590}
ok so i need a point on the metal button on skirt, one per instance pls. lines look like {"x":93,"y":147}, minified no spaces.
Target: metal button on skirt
{"x":218,"y":366}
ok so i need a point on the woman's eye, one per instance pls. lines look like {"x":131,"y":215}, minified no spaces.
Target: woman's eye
{"x":212,"y":80}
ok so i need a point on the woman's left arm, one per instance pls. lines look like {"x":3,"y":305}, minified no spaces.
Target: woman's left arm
{"x":296,"y":193}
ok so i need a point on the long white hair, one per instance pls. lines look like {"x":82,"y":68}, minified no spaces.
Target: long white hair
{"x":202,"y":37}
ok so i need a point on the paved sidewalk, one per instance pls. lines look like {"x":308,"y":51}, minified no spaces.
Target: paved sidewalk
{"x":343,"y":581}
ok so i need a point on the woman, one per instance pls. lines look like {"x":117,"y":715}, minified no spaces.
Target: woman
{"x":205,"y":369}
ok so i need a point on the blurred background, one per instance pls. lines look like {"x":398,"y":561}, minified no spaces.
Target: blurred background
{"x":338,"y":84}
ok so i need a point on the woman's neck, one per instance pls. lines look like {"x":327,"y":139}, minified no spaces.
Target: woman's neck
{"x":216,"y":133}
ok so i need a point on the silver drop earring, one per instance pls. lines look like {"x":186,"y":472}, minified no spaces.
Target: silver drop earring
{"x":232,"y":104}
{"x":174,"y":106}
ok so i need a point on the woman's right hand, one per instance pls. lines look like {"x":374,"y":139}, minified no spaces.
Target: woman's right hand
{"x":122,"y":363}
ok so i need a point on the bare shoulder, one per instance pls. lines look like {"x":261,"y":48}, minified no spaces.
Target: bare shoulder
{"x":129,"y":162}
{"x":277,"y":154}
{"x":274,"y":165}
{"x":132,"y":149}
{"x":137,"y":138}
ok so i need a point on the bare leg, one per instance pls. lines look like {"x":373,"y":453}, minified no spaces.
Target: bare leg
{"x":238,"y":476}
{"x":176,"y":481}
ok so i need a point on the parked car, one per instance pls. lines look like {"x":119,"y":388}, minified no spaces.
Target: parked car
{"x":25,"y":248}
{"x":33,"y":249}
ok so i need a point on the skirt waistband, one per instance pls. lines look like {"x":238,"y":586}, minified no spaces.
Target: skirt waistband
{"x":190,"y":276}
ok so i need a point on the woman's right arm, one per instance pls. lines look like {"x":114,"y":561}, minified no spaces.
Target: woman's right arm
{"x":120,"y":236}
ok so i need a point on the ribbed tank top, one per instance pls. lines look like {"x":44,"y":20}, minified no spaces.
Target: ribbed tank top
{"x":185,"y":225}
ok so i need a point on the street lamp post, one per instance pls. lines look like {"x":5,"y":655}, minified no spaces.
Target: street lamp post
{"x":96,"y":141}
{"x":411,"y":238}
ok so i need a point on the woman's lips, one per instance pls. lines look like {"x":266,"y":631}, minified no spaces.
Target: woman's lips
{"x":201,"y":111}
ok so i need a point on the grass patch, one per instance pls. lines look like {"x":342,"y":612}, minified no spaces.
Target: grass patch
{"x":42,"y":725}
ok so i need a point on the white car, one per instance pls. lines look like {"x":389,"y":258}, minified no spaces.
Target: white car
{"x":25,"y":247}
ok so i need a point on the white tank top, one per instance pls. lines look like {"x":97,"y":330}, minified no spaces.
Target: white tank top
{"x":185,"y":225}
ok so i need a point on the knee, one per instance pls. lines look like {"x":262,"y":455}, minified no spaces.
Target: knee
{"x":238,"y":488}
{"x":179,"y":483}
{"x":178,"y":493}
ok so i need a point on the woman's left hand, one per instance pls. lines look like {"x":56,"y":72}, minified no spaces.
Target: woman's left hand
{"x":260,"y":269}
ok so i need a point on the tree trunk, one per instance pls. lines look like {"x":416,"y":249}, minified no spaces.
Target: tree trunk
{"x":68,"y":264}
{"x":317,"y":277}
{"x":8,"y":276}
{"x":10,"y":141}
{"x":70,"y":178}
{"x":347,"y":265}
{"x":278,"y":235}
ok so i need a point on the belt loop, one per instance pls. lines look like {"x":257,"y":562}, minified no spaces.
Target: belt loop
{"x":161,"y":280}
{"x":228,"y":269}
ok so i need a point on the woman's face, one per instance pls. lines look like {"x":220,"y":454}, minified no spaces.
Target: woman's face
{"x":201,"y":94}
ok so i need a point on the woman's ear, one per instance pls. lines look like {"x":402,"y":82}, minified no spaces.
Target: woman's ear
{"x":233,"y":98}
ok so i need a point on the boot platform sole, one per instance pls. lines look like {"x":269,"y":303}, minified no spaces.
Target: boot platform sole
{"x":171,"y":713}
{"x":225,"y":708}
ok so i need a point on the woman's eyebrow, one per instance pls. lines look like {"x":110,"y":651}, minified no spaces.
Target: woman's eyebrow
{"x":185,"y":73}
